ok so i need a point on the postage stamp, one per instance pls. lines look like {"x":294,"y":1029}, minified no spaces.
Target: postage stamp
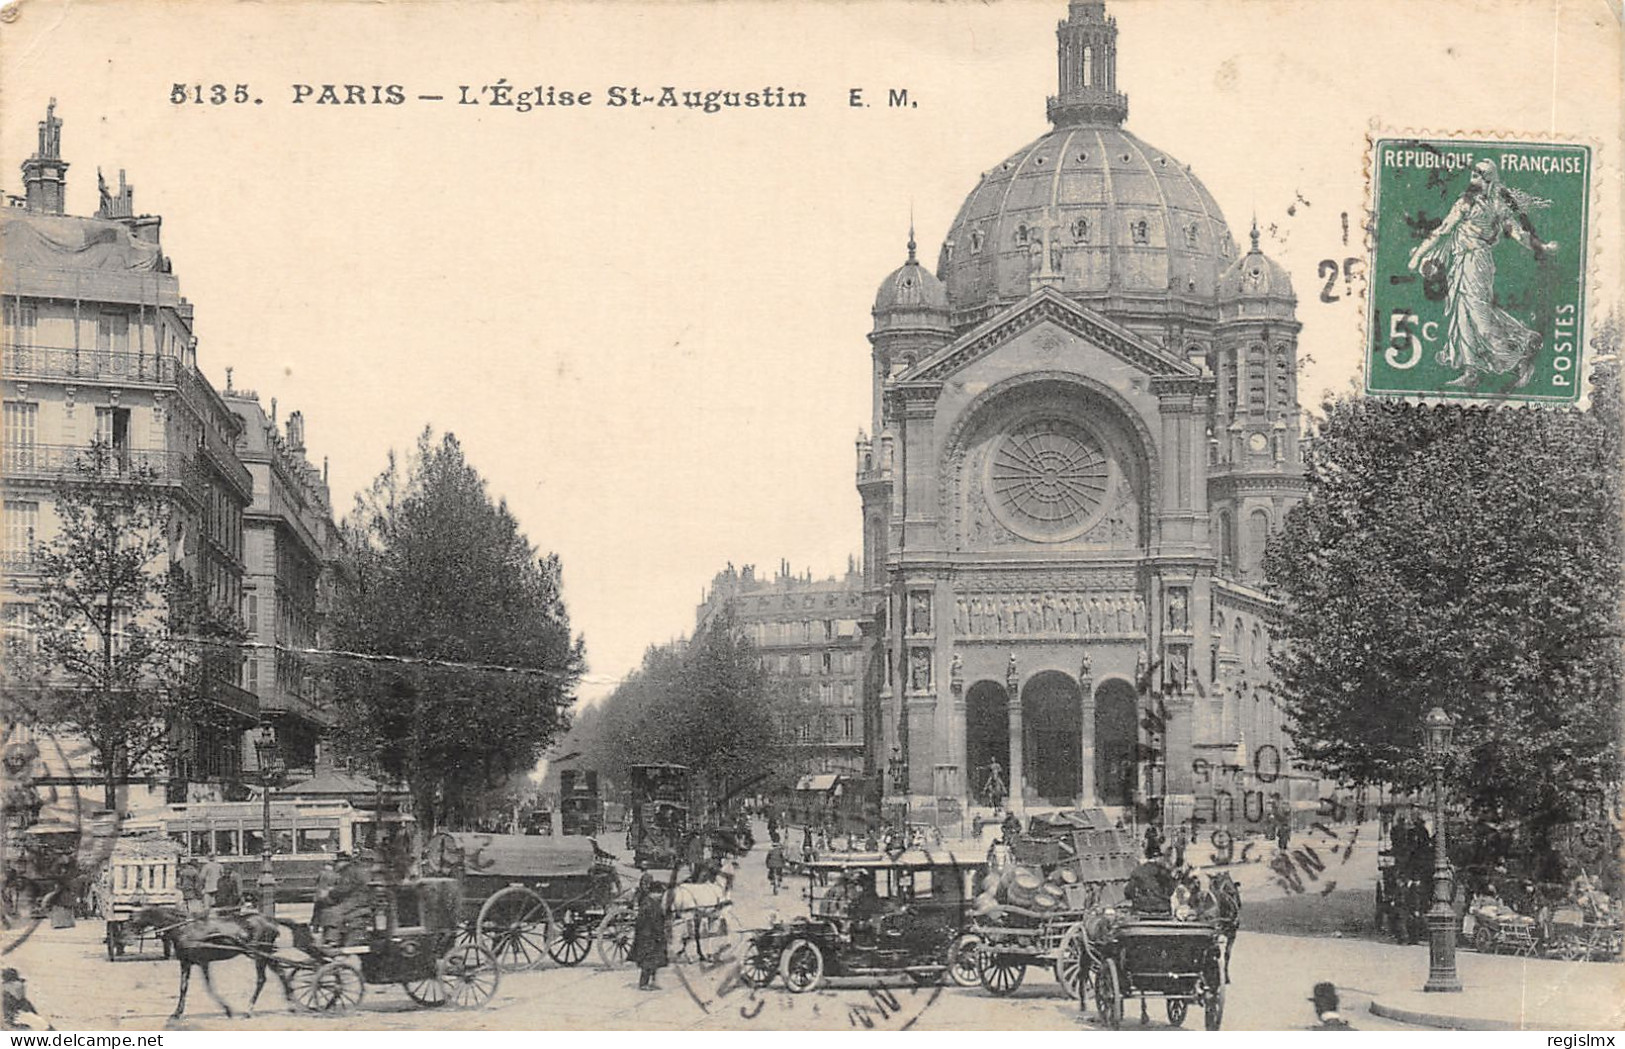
{"x":1478,"y":270}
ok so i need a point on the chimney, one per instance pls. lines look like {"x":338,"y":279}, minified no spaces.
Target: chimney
{"x":45,"y":174}
{"x":296,"y":432}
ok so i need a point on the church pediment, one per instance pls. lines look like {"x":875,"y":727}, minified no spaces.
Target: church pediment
{"x":1048,"y":305}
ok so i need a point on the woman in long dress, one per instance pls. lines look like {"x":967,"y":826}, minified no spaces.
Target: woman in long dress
{"x":1481,"y":337}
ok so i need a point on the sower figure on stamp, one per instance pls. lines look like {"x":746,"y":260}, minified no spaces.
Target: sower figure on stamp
{"x":1481,"y":337}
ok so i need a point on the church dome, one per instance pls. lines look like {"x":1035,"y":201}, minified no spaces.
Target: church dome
{"x":911,"y":287}
{"x":1092,"y":209}
{"x":1089,"y":208}
{"x":1256,"y":275}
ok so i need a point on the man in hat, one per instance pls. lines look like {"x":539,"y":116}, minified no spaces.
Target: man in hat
{"x":20,"y":1013}
{"x":649,"y":932}
{"x":189,"y":880}
{"x":1151,"y":886}
{"x":347,"y":908}
{"x":1326,"y":1015}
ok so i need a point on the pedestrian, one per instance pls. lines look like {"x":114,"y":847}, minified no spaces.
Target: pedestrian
{"x":807,"y":853}
{"x":229,"y":897}
{"x":1283,"y":831}
{"x":649,"y":933}
{"x":20,"y":1013}
{"x":190,"y":883}
{"x":1153,"y":841}
{"x":1150,"y":887}
{"x":325,"y":880}
{"x":210,"y":875}
{"x":776,"y":863}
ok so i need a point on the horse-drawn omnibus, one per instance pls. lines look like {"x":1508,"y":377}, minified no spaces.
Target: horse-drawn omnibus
{"x":661,"y":799}
{"x":304,"y":836}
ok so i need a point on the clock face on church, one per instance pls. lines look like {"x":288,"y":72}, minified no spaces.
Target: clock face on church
{"x":1048,"y":479}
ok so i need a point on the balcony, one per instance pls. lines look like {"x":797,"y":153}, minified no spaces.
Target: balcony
{"x":43,"y":362}
{"x":234,"y":698}
{"x":50,"y":462}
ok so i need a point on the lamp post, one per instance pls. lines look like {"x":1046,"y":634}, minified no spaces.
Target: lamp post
{"x":270,"y":762}
{"x":1441,"y":917}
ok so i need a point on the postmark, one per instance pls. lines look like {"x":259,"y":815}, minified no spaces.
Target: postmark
{"x":1478,"y":272}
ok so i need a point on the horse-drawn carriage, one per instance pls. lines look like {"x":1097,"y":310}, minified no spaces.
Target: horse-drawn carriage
{"x":526,"y":897}
{"x":142,"y":871}
{"x":1180,"y":962}
{"x":415,"y":941}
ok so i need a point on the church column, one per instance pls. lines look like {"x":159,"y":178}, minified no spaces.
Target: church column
{"x":1018,"y":771}
{"x":1086,"y":741}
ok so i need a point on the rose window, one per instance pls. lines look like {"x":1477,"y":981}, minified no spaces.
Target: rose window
{"x":1048,"y":479}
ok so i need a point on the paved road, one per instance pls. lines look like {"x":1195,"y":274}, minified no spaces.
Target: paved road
{"x":70,"y":978}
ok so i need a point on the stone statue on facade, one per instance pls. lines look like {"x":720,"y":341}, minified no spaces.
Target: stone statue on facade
{"x":956,"y":672}
{"x":1085,"y":668}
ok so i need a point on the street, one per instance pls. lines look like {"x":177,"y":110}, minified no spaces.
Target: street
{"x":71,"y":980}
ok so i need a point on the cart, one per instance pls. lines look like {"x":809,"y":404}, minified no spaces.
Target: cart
{"x":1496,"y":928}
{"x":1071,"y":869}
{"x":416,"y":942}
{"x":1177,"y":961}
{"x":141,"y":872}
{"x":526,"y":897}
{"x":1576,"y":934}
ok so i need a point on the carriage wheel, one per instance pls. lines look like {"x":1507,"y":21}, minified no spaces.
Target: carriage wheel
{"x":516,"y":926}
{"x":1109,"y":994}
{"x":757,"y":964}
{"x":802,"y":966}
{"x":962,"y":961}
{"x":1483,"y":940}
{"x":1000,"y":974}
{"x":470,"y":975}
{"x":331,"y":987}
{"x":570,"y":938}
{"x":1177,"y":1008}
{"x":615,"y":935}
{"x":1213,"y":1008}
{"x":428,"y":992}
{"x":1070,"y":965}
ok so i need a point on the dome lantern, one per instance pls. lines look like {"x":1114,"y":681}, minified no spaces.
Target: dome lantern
{"x":1086,"y":60}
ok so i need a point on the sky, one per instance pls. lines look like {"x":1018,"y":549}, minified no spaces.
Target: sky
{"x":647,"y":325}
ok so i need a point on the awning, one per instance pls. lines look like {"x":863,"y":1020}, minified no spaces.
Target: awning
{"x":820,"y":782}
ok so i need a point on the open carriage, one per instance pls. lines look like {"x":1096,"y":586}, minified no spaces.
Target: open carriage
{"x":415,"y":941}
{"x":1177,"y":961}
{"x":527,"y":897}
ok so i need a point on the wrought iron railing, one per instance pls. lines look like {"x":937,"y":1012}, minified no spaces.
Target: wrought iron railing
{"x":50,"y":362}
{"x":48,"y":462}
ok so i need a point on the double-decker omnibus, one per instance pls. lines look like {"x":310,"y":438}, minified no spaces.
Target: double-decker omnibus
{"x":304,"y":836}
{"x":660,"y":799}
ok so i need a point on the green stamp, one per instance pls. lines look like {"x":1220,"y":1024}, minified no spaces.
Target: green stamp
{"x":1478,"y":278}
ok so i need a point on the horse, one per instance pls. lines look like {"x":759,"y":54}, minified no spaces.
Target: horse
{"x":1227,"y":897}
{"x":698,"y":908}
{"x":202,"y":941}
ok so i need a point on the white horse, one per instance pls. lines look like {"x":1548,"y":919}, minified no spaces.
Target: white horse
{"x":699,"y":910}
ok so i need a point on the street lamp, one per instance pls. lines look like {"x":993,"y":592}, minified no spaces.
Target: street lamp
{"x":270,"y":762}
{"x":1441,"y":916}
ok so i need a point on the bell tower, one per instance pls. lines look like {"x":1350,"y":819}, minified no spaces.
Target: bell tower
{"x":1086,"y":55}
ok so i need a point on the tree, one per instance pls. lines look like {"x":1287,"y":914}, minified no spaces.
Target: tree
{"x":115,"y":659}
{"x":707,"y":703}
{"x":1468,"y":559}
{"x":471,"y":669}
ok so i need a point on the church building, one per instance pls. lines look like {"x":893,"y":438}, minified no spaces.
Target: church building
{"x":1086,"y":426}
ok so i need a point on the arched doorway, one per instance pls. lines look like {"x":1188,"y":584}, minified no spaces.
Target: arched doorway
{"x":1117,"y":735}
{"x":987,"y":737}
{"x":1052,"y":720}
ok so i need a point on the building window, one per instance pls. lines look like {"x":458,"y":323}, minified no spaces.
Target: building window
{"x":21,"y":319}
{"x":1258,"y":534}
{"x":21,"y":431}
{"x":1080,"y":230}
{"x":16,"y":623}
{"x":1140,"y":230}
{"x":22,"y":530}
{"x":113,"y":332}
{"x":1088,"y":66}
{"x":251,"y":669}
{"x":828,"y":664}
{"x":976,"y":237}
{"x":252,"y":609}
{"x":1191,"y":235}
{"x":846,"y":694}
{"x":848,"y":663}
{"x":825,"y":693}
{"x":806,"y":663}
{"x":848,"y":727}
